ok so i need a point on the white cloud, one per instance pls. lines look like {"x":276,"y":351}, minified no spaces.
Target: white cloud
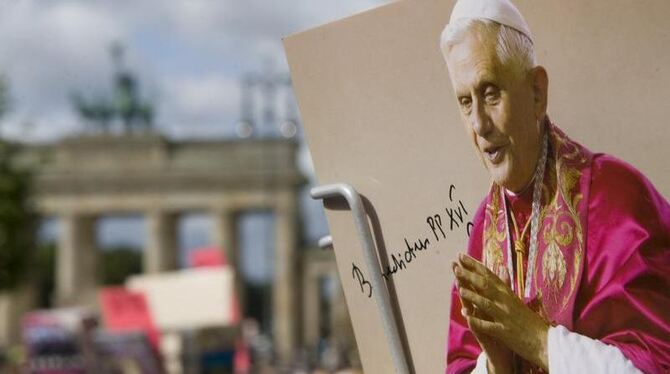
{"x":200,"y":105}
{"x":47,"y":51}
{"x":207,"y":94}
{"x":188,"y":54}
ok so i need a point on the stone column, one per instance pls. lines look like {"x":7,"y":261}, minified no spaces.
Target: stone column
{"x":76,"y":261}
{"x":284,"y":288}
{"x":224,"y":234}
{"x":225,"y":237}
{"x":160,"y":253}
{"x":14,"y":305}
{"x":310,"y":302}
{"x":340,"y":321}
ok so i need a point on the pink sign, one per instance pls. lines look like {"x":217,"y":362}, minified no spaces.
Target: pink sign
{"x":124,"y":310}
{"x":207,"y":256}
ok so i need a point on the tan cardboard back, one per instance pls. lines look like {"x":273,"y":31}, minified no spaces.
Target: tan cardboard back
{"x":379,"y":114}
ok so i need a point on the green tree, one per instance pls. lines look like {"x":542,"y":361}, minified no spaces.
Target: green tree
{"x":118,"y":263}
{"x":16,"y":218}
{"x":45,"y":269}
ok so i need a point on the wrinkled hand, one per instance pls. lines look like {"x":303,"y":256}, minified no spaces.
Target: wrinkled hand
{"x":498,"y":355}
{"x":502,"y":316}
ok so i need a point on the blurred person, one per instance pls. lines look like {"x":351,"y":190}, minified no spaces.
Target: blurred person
{"x":568,"y":264}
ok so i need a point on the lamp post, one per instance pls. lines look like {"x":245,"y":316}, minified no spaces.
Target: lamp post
{"x":261,"y":91}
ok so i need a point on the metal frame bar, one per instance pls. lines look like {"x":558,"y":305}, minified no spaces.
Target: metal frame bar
{"x":326,"y":242}
{"x":365,"y":237}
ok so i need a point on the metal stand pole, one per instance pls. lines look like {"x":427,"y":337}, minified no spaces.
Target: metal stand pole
{"x":365,"y":236}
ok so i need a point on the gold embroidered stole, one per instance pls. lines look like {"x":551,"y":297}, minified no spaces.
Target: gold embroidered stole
{"x":561,"y":235}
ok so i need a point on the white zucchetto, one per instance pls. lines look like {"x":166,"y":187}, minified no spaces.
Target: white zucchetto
{"x":501,"y":11}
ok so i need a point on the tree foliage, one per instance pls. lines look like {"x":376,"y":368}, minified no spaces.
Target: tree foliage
{"x":117,"y":264}
{"x":45,"y":269}
{"x":16,"y":218}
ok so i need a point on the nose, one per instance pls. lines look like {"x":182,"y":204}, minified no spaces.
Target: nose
{"x":481,"y":122}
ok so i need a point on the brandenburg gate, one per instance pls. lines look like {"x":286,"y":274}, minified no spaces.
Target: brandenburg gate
{"x":88,"y":176}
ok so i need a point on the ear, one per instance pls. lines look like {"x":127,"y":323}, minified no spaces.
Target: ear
{"x":540,"y":82}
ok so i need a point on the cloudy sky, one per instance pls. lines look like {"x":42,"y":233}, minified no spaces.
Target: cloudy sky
{"x":189,"y":56}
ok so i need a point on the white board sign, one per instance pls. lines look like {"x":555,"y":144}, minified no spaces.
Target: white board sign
{"x":188,"y":299}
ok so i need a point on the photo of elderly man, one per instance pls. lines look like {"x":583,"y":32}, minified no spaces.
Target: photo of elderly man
{"x":568,"y":265}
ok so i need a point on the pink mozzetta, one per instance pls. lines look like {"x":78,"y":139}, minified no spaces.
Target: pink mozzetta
{"x":603,"y":261}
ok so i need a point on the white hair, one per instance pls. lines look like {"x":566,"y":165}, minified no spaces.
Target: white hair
{"x":512,"y":46}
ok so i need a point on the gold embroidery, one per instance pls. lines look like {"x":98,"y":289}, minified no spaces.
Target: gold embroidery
{"x":553,"y":267}
{"x":493,"y":237}
{"x":560,"y":228}
{"x":564,"y":226}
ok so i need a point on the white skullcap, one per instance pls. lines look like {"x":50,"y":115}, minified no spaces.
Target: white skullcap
{"x":501,"y":11}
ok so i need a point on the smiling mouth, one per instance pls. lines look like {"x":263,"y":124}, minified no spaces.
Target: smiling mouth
{"x":494,"y":154}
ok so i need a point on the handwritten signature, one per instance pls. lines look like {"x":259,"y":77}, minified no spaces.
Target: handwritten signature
{"x":454,"y":212}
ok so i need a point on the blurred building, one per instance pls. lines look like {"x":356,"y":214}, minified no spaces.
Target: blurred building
{"x":250,"y":186}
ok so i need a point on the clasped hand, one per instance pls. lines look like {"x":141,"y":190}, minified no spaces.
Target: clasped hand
{"x":496,"y":316}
